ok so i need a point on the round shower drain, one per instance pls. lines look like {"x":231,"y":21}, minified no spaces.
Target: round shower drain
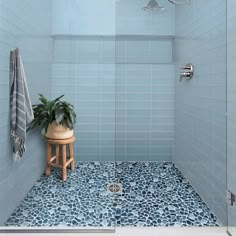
{"x":114,"y":188}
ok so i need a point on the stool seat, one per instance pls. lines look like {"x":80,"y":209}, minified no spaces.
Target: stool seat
{"x":54,"y":160}
{"x":60,"y":141}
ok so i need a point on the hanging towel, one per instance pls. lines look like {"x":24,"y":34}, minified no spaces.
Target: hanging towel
{"x":21,"y":113}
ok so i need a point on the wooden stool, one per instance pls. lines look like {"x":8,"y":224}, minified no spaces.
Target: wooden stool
{"x":54,"y":160}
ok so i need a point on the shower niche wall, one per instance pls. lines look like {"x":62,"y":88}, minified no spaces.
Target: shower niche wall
{"x":145,"y":80}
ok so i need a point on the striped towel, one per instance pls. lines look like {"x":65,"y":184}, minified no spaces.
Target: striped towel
{"x":20,"y":104}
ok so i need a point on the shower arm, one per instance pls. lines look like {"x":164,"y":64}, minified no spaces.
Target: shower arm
{"x":174,"y":2}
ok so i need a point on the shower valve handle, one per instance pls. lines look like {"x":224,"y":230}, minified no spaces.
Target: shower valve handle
{"x":185,"y":67}
{"x":187,"y":73}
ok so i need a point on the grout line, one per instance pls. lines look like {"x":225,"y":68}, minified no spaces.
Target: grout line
{"x":100,"y":95}
{"x":126,"y":73}
{"x":151,"y":105}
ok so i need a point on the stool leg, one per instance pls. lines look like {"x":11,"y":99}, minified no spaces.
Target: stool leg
{"x":72,"y":165}
{"x":64,"y":162}
{"x":49,"y":153}
{"x":57,"y":154}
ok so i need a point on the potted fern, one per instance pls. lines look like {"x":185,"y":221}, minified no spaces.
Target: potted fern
{"x":56,"y":118}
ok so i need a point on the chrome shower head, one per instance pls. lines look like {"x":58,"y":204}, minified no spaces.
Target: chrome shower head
{"x":153,"y":6}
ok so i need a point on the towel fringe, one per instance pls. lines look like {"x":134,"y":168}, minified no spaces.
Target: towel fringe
{"x":19,"y":145}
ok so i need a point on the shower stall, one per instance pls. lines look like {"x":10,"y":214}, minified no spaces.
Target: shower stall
{"x":152,"y":85}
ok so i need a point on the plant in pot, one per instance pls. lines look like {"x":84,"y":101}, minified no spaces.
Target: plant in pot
{"x":56,"y":118}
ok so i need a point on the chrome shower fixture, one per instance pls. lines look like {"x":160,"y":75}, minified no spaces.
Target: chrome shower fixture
{"x":180,"y":1}
{"x":153,"y":6}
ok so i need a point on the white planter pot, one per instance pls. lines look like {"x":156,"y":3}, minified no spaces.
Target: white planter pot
{"x":56,"y":131}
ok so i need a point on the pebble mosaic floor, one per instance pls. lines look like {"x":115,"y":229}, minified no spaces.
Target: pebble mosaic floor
{"x":154,"y":194}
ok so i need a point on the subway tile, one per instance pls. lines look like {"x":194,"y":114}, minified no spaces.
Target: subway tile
{"x":64,"y":51}
{"x":108,"y":151}
{"x":137,"y":150}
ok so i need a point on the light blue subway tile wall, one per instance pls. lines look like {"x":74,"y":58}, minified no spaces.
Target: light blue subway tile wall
{"x":144,"y":82}
{"x":84,"y":71}
{"x":144,"y":111}
{"x":79,"y":17}
{"x":85,"y":50}
{"x":22,"y":25}
{"x":139,"y":49}
{"x":231,"y":98}
{"x":200,"y":117}
{"x":110,"y":17}
{"x":136,"y":104}
{"x":133,"y":98}
{"x":131,"y":19}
